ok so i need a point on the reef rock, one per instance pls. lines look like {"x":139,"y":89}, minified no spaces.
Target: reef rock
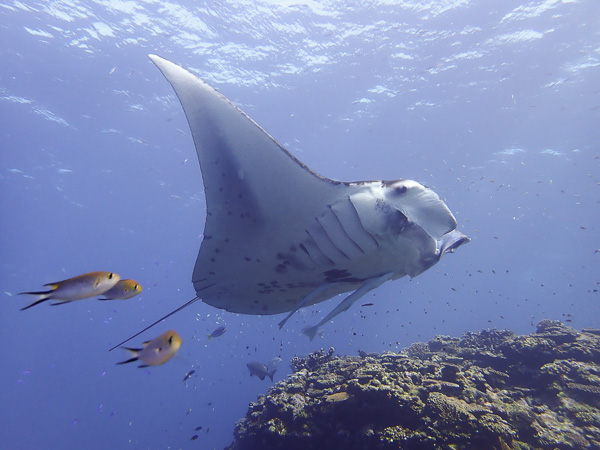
{"x":492,"y":390}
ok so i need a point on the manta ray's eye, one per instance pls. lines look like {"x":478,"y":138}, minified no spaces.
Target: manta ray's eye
{"x":400,"y":190}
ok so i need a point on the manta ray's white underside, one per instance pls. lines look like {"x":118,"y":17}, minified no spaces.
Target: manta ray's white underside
{"x":279,"y":236}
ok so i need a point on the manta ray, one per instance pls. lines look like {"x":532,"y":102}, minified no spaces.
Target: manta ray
{"x":278,"y":236}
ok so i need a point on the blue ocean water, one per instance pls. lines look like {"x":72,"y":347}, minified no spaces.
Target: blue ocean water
{"x":495,"y":105}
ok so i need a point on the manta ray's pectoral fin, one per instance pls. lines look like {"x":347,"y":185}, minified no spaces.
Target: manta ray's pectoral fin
{"x":312,"y":294}
{"x":368,"y":286}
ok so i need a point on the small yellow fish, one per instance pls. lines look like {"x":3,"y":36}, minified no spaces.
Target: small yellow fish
{"x":157,"y":351}
{"x":123,"y":290}
{"x":76,"y":288}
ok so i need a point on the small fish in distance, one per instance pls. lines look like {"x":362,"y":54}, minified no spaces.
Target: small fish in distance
{"x":76,"y":288}
{"x":260,"y":370}
{"x":189,"y":374}
{"x":216,"y":333}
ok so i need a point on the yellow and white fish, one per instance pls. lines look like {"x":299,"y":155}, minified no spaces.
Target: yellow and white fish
{"x":157,"y":351}
{"x":123,"y":290}
{"x":82,"y":286}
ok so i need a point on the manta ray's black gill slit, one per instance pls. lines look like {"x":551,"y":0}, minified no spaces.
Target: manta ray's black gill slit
{"x":361,"y":224}
{"x":315,"y":252}
{"x":360,"y":249}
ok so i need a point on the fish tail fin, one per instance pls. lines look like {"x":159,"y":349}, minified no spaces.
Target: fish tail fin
{"x":134,"y":351}
{"x":271,"y":373}
{"x":44,"y":293}
{"x":42,"y":297}
{"x":135,"y":358}
{"x":209,"y":336}
{"x":311,"y":332}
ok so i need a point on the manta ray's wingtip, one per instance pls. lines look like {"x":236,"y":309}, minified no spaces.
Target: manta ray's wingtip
{"x":155,"y":58}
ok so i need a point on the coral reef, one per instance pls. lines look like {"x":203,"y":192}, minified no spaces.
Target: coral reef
{"x":488,"y":390}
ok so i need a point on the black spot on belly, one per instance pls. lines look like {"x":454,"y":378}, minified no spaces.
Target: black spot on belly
{"x":334,"y":275}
